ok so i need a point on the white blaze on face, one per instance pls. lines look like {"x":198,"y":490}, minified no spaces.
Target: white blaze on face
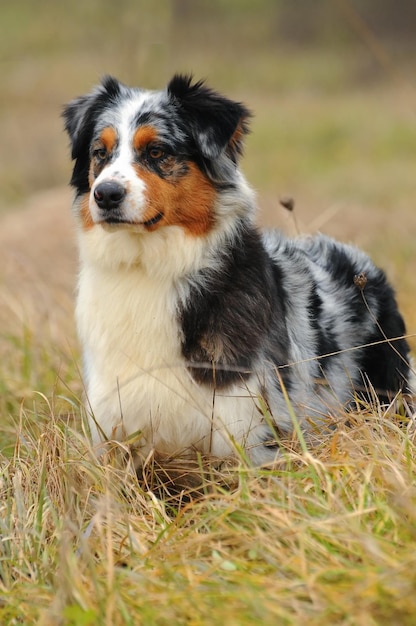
{"x":121,"y":169}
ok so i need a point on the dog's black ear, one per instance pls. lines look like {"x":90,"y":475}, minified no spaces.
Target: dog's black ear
{"x":79,"y":113}
{"x":79,"y":116}
{"x":216,"y":123}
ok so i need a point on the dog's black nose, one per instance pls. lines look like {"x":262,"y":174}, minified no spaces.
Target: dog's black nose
{"x":109,"y":194}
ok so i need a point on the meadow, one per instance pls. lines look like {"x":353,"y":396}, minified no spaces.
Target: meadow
{"x":327,"y":536}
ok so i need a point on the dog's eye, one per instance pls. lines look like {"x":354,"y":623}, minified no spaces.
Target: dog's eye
{"x":156,"y":153}
{"x":100,"y":154}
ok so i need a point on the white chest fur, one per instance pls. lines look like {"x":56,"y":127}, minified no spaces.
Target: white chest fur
{"x":128,"y":327}
{"x":136,"y":378}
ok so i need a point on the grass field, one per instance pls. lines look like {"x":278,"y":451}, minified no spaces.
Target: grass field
{"x":325,"y":538}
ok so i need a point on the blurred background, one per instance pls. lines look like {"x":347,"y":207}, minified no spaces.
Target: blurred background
{"x":331,"y":84}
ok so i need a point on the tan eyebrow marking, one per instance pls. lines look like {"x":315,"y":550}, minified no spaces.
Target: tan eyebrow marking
{"x":108,"y":137}
{"x":143,"y":136}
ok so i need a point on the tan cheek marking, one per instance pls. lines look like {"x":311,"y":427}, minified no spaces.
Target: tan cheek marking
{"x":143,"y":136}
{"x":194,"y":203}
{"x":187,"y":202}
{"x":91,"y":174}
{"x":84,"y":211}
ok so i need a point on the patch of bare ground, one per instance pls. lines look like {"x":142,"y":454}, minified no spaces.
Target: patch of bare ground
{"x":38,"y":266}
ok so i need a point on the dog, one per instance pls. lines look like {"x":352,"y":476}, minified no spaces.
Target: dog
{"x":199,"y":331}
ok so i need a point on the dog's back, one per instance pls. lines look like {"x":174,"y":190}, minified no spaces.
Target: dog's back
{"x":353,"y":311}
{"x":197,"y":330}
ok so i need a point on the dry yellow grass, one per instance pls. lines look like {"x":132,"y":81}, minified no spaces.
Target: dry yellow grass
{"x":326,"y":537}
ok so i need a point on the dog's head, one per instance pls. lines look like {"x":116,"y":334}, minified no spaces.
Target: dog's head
{"x":148,"y":159}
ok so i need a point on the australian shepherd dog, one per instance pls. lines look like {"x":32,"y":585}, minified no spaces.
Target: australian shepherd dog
{"x":200,"y":332}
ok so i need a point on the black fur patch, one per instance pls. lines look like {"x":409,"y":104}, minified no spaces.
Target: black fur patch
{"x":233,"y":313}
{"x":387,"y":364}
{"x":212,"y":118}
{"x":80,"y":117}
